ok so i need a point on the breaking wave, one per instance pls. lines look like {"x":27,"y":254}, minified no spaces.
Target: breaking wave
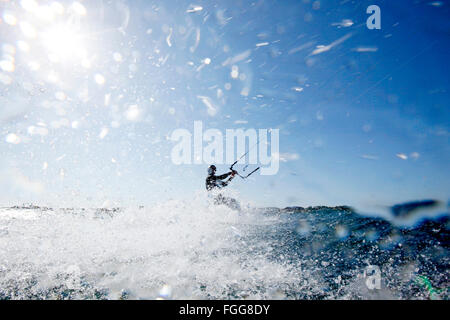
{"x":192,"y":249}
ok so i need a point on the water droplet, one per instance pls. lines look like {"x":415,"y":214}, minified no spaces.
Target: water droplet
{"x":303,"y":227}
{"x":103,"y":133}
{"x":342,"y":232}
{"x":194,"y":8}
{"x":133,"y":113}
{"x":9,"y":18}
{"x":12,"y":138}
{"x":165,"y":292}
{"x":245,"y":91}
{"x":234,"y":72}
{"x":117,"y":57}
{"x":7,"y":66}
{"x":40,"y":131}
{"x":415,"y":155}
{"x":99,"y":79}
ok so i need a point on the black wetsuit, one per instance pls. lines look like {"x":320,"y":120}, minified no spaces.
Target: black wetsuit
{"x":213,"y":181}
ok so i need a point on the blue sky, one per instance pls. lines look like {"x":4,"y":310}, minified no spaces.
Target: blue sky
{"x":365,"y":123}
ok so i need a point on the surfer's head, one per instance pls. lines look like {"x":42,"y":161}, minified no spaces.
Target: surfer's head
{"x":211,"y":170}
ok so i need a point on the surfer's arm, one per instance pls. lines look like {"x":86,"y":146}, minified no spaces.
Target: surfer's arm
{"x":231,"y":176}
{"x":223,"y":176}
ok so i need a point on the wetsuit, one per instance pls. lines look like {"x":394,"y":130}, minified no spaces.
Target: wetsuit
{"x":213,"y":181}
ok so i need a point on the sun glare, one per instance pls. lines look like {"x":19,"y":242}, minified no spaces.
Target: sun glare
{"x":63,"y":43}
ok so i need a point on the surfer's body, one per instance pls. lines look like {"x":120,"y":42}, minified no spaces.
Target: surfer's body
{"x":214,"y":182}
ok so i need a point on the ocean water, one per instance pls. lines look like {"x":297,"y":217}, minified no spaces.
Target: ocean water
{"x":195,"y":250}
